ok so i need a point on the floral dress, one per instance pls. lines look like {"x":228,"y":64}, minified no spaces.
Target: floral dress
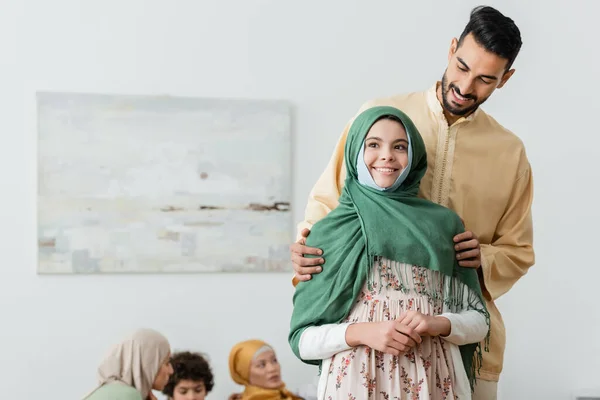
{"x":427,"y":372}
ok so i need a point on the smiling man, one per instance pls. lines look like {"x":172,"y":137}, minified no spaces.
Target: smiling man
{"x":475,"y":167}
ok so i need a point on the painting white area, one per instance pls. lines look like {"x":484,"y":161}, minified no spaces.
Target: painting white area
{"x":141,"y":184}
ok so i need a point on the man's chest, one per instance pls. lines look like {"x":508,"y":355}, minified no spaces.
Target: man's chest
{"x":466,"y":175}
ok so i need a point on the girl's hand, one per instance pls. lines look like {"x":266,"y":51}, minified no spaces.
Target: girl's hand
{"x":426,"y":325}
{"x":390,"y":337}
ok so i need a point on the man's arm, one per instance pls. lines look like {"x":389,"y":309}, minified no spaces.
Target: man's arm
{"x":323,"y":198}
{"x":325,"y":194}
{"x":510,"y":254}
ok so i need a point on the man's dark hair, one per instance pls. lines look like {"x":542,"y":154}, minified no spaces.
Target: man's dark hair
{"x":495,"y":32}
{"x":189,"y":366}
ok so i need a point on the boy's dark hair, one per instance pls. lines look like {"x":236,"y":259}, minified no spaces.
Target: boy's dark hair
{"x":189,"y":366}
{"x":495,"y":32}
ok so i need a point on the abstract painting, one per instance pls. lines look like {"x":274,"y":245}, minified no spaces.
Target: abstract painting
{"x":145,"y":184}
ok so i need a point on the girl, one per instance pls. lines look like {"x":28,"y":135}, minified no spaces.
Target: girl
{"x":392,"y":315}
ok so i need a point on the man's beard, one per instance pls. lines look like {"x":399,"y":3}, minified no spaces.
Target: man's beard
{"x":451,"y":108}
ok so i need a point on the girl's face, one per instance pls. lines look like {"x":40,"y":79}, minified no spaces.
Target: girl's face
{"x":386,"y":151}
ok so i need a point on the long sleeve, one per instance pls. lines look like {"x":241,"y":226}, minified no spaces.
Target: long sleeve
{"x":324,"y":341}
{"x":466,"y":327}
{"x":325,"y":194}
{"x":511,"y":253}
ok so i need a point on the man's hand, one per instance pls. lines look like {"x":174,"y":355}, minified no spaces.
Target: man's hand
{"x":305,"y":267}
{"x":468,"y":251}
{"x":426,"y":325}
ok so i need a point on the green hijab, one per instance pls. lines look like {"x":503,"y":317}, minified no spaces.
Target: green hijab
{"x":394,"y":224}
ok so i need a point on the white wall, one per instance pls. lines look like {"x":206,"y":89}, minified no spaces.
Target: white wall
{"x":327,"y":60}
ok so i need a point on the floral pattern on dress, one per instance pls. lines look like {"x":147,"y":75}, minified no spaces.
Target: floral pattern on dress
{"x":425,"y":372}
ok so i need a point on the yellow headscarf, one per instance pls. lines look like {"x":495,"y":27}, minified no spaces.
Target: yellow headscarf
{"x":135,"y":361}
{"x":239,"y":367}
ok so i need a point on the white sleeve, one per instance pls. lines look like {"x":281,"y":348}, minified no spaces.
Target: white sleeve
{"x":467,"y":327}
{"x":324,"y":341}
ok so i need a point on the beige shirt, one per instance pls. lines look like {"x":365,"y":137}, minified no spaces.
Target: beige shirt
{"x":480,"y":170}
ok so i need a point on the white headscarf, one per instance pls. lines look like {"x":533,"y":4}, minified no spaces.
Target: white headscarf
{"x":135,"y":361}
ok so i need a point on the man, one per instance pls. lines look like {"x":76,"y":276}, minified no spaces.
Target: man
{"x":475,"y":167}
